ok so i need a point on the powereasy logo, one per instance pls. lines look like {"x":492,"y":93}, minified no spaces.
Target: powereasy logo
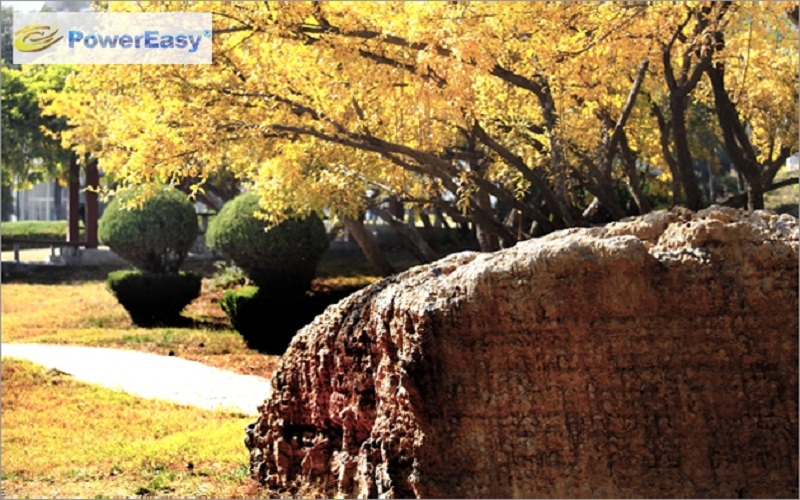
{"x":35,"y":38}
{"x":112,"y":38}
{"x":147,"y":40}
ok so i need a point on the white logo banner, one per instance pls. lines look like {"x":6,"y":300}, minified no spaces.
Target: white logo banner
{"x":112,"y":38}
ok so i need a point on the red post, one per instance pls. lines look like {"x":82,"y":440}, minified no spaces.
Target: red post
{"x":92,"y":208}
{"x":73,"y":208}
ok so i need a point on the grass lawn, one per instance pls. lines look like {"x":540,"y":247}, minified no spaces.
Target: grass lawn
{"x":57,"y":309}
{"x":65,"y":439}
{"x":127,"y":447}
{"x":87,"y":314}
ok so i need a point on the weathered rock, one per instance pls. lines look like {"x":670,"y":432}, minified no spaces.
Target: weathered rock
{"x":656,"y":357}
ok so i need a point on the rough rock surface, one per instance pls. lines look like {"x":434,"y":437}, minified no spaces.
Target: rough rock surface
{"x":655,"y":357}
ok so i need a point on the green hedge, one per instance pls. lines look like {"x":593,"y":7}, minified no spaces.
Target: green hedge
{"x":156,"y":237}
{"x":280,"y":261}
{"x":268,"y":323}
{"x":33,"y":230}
{"x":154,"y":298}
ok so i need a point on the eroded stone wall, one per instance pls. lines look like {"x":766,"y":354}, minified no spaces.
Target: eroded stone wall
{"x":650,"y":358}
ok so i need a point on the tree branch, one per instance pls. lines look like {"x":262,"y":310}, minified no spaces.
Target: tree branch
{"x":517,"y":162}
{"x":629,"y":103}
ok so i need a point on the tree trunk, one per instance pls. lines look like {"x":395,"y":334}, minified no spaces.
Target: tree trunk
{"x":712,"y":188}
{"x":417,"y":244}
{"x":604,"y":194}
{"x":557,"y":164}
{"x":755,"y":195}
{"x":488,"y":241}
{"x":7,"y":201}
{"x":73,"y":200}
{"x":92,"y":206}
{"x":694,"y":197}
{"x":396,"y":208}
{"x":737,"y":140}
{"x":634,"y":187}
{"x":369,"y":246}
{"x":740,"y":179}
{"x":690,"y":70}
{"x":57,"y":192}
{"x":664,"y":129}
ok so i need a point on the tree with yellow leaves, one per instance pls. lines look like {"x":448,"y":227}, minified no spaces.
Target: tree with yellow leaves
{"x":517,"y":118}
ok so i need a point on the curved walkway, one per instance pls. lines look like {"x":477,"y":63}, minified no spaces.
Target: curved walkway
{"x":150,"y":375}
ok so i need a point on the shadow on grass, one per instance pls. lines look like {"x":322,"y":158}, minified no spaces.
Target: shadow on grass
{"x":184,"y":322}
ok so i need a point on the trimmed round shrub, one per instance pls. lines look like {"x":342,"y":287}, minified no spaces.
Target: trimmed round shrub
{"x":156,"y":237}
{"x":268,"y":323}
{"x":265,"y":324}
{"x":280,"y":261}
{"x":250,"y":315}
{"x":154,"y":298}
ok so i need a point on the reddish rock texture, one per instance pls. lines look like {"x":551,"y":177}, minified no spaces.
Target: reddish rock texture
{"x":656,"y":357}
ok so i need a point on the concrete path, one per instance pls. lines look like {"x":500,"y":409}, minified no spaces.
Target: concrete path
{"x":150,"y":375}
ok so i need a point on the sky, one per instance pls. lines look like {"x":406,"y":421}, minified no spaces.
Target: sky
{"x":21,"y":6}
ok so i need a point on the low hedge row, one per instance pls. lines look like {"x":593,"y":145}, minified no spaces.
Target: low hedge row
{"x":33,"y":230}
